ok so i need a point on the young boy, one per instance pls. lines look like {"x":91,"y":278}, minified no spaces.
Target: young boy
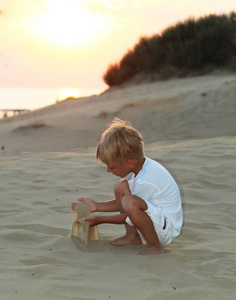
{"x":147,"y":196}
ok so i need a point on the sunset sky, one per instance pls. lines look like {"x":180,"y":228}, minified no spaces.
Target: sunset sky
{"x":70,"y":43}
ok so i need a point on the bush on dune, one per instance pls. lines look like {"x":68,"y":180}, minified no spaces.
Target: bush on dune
{"x":191,"y":45}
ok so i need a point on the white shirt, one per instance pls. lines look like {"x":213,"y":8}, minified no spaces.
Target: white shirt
{"x":154,"y":184}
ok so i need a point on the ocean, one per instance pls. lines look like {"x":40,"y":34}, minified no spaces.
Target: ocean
{"x":32,"y":98}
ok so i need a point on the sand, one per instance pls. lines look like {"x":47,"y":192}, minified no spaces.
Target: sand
{"x":48,"y":161}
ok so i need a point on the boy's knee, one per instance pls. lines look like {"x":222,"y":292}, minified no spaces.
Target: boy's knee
{"x":122,"y":186}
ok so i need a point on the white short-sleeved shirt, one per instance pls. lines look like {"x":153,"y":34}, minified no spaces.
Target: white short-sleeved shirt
{"x":158,"y":189}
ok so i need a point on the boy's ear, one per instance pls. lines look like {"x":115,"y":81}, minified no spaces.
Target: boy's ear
{"x":131,"y":162}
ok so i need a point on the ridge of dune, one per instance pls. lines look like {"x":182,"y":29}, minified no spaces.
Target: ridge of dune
{"x":177,"y":109}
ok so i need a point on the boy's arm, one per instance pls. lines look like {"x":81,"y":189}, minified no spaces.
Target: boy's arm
{"x":115,"y":219}
{"x":106,"y":206}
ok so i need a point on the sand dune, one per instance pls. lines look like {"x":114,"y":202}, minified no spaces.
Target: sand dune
{"x":188,"y":126}
{"x":191,"y":108}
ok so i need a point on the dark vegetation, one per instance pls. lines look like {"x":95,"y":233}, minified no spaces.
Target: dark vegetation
{"x":190,"y":46}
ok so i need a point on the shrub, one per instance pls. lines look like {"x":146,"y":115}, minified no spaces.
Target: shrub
{"x":192,"y":44}
{"x":110,"y":75}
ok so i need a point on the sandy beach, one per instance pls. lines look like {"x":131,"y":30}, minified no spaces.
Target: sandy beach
{"x":48,"y":160}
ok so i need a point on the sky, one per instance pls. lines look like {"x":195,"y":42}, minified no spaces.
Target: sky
{"x":70,"y":43}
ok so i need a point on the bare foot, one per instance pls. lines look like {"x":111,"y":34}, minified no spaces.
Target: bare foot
{"x":127,"y":240}
{"x":150,"y":250}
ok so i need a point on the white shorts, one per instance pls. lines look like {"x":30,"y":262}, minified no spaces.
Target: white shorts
{"x":162,"y":225}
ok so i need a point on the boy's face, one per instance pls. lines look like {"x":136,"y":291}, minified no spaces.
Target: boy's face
{"x":120,"y":169}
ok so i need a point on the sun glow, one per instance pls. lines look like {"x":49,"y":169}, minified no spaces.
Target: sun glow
{"x":66,"y":93}
{"x":68,"y":23}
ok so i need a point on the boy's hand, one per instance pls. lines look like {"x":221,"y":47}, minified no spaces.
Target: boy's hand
{"x":93,"y":220}
{"x":90,"y":202}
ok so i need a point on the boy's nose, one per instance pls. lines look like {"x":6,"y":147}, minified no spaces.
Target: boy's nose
{"x":108,"y":170}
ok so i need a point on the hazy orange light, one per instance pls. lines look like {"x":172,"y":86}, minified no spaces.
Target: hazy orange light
{"x":67,"y":22}
{"x":66,"y":93}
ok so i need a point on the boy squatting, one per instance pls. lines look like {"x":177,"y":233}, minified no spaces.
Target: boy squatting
{"x":146,"y":197}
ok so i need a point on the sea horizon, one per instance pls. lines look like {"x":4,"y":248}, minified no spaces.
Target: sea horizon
{"x":21,"y":98}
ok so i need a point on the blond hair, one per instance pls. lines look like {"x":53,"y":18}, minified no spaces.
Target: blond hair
{"x":120,"y":141}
